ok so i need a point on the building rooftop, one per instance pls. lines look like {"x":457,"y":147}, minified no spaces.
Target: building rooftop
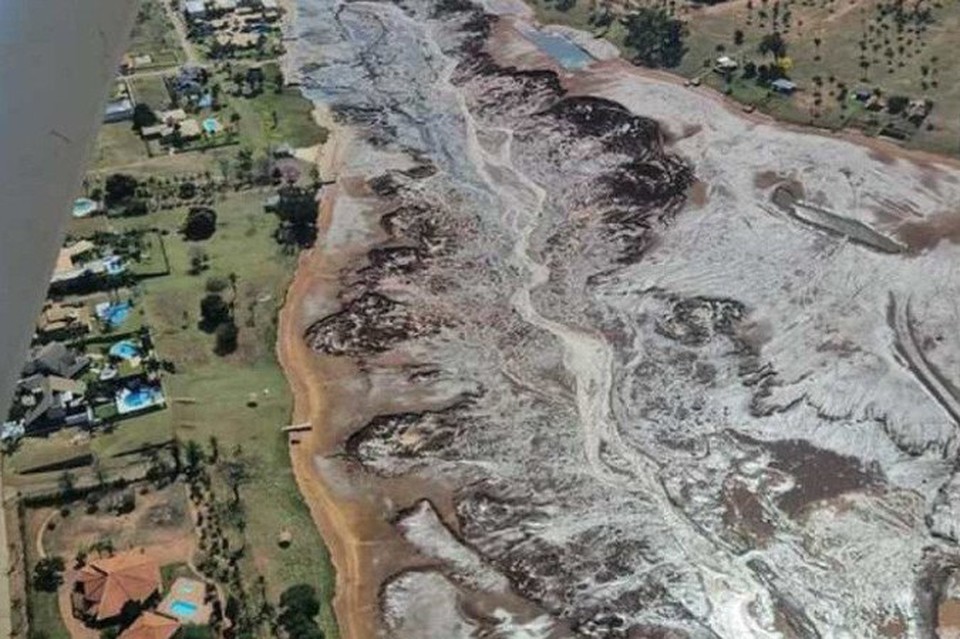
{"x":55,"y":359}
{"x":151,"y":625}
{"x":194,"y":7}
{"x":173,"y":115}
{"x":106,"y":585}
{"x":190,"y":129}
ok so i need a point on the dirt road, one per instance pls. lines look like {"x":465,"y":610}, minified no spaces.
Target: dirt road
{"x":334,"y":518}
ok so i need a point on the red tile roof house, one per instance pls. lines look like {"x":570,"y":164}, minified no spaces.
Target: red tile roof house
{"x":151,"y":625}
{"x":104,"y":586}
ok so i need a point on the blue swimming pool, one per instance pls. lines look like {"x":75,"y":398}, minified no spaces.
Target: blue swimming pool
{"x":82,"y":207}
{"x":211,"y":126}
{"x":132,"y":400}
{"x":183,"y":608}
{"x":564,"y":51}
{"x":113,"y":314}
{"x":125,"y":349}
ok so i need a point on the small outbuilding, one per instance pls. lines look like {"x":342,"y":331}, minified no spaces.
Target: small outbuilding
{"x":194,"y":9}
{"x":118,"y":110}
{"x":783,"y":86}
{"x":725,"y":64}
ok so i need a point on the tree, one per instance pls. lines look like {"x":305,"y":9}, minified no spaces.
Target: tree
{"x":216,"y":284}
{"x":749,"y":71}
{"x":738,"y":37}
{"x":48,"y":573}
{"x":135,"y":207}
{"x":66,"y":484}
{"x":236,"y":472}
{"x":897,"y":103}
{"x":119,"y":187}
{"x":193,"y":454}
{"x":299,"y":608}
{"x":201,"y":224}
{"x":214,"y":449}
{"x":297,"y":211}
{"x":244,"y":160}
{"x":773,"y":43}
{"x":187,"y":190}
{"x":198,"y":260}
{"x":656,"y":37}
{"x":214,"y":311}
{"x":143,"y":116}
{"x":226,"y":335}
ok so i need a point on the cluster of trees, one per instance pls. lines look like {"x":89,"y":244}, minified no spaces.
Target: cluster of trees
{"x":48,"y":574}
{"x":299,"y":608}
{"x":123,"y":193}
{"x":656,"y":37}
{"x":297,"y":210}
{"x":217,"y":314}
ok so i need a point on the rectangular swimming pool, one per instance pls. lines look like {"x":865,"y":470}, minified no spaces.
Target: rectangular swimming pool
{"x":183,"y":608}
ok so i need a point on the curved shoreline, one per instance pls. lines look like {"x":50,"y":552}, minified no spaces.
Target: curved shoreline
{"x":310,"y":405}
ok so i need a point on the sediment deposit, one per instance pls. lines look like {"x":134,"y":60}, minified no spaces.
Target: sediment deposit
{"x":593,"y":377}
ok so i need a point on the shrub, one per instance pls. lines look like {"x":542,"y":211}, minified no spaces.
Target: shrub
{"x":48,"y":573}
{"x":201,"y":224}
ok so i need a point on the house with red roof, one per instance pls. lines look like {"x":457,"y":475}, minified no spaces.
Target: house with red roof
{"x":104,"y":586}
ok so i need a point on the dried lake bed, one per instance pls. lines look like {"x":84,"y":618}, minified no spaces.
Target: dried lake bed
{"x":588,"y":374}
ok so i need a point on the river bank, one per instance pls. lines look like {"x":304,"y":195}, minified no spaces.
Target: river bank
{"x":481,"y":422}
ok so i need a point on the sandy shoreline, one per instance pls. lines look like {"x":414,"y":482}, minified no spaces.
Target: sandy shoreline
{"x":344,"y":523}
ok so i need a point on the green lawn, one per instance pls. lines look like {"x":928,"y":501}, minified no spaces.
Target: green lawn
{"x":295,"y":124}
{"x":240,"y":399}
{"x":118,"y":144}
{"x":45,"y":616}
{"x":150,"y":90}
{"x":208,"y":395}
{"x":824,"y":43}
{"x":154,"y":35}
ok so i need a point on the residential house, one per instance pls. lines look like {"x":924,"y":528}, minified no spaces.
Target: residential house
{"x":173,"y":116}
{"x":190,"y":129}
{"x":57,"y":359}
{"x":72,"y":260}
{"x":63,"y":321}
{"x":151,"y":625}
{"x":44,"y":403}
{"x":104,"y":586}
{"x":156,"y":132}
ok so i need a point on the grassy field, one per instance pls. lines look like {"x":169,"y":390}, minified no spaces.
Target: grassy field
{"x":241,"y":399}
{"x":44,"y":608}
{"x":154,"y":35}
{"x":209,"y":395}
{"x":833,"y":47}
{"x":294,"y":124}
{"x":150,"y":90}
{"x":118,"y":145}
{"x":217,"y":389}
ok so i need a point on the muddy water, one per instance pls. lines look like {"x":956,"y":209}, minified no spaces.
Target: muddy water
{"x":541,"y":374}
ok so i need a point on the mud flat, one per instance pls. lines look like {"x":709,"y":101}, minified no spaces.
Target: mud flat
{"x":572,"y":372}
